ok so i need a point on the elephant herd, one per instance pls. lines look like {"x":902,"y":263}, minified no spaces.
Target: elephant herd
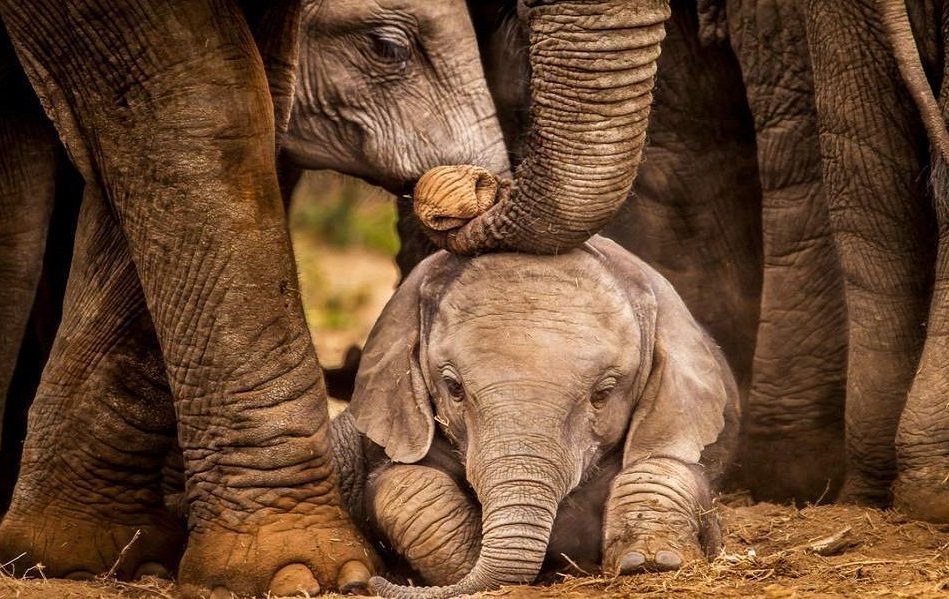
{"x":772,"y":175}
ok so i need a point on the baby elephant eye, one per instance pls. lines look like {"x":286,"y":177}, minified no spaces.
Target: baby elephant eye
{"x":454,"y":387}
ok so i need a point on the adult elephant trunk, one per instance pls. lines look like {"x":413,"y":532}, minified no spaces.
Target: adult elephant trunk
{"x":519,"y":496}
{"x":593,"y":64}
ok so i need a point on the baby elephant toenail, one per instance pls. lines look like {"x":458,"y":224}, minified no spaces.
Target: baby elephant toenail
{"x":632,"y":562}
{"x":353,"y":578}
{"x":294,"y":580}
{"x":221,"y":593}
{"x":152,"y":569}
{"x":80,"y":575}
{"x":668,"y":560}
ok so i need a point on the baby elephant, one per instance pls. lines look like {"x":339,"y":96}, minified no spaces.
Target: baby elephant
{"x":517,"y":408}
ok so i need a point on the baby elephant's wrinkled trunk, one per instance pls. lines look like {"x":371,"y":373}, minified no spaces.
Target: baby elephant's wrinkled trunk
{"x":520,"y":485}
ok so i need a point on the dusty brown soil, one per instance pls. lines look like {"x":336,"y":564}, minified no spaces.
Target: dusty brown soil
{"x":770,"y":551}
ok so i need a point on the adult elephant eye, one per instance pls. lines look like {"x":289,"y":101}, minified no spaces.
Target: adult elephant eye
{"x":391,"y":48}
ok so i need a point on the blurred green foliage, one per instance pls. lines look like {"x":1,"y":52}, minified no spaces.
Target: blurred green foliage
{"x":344,"y":212}
{"x":340,"y":227}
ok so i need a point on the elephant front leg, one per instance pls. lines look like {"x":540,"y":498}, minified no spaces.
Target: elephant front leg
{"x":173,"y":115}
{"x":89,"y":493}
{"x":427,"y":519}
{"x":659,"y":515}
{"x":28,"y":162}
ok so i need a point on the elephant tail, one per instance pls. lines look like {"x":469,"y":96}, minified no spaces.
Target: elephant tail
{"x":895,"y":19}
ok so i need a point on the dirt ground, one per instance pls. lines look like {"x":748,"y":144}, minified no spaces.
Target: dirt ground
{"x":770,"y":551}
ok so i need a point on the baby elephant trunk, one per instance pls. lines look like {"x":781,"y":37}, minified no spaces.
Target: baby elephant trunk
{"x":519,"y":496}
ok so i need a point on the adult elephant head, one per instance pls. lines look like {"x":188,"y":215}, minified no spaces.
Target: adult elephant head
{"x":593,"y":64}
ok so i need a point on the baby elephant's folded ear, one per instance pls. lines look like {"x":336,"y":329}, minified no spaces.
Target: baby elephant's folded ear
{"x":689,"y":401}
{"x":391,"y":402}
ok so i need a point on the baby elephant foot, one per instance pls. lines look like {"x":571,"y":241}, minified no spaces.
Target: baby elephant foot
{"x":68,"y":543}
{"x":658,"y":518}
{"x":290,"y":555}
{"x":658,"y":552}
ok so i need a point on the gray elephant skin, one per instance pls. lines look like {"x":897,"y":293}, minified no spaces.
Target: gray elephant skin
{"x":793,"y":198}
{"x":103,"y":420}
{"x":519,"y":407}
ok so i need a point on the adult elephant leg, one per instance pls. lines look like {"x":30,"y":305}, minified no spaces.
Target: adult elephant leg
{"x":922,"y":437}
{"x":28,"y":162}
{"x":874,"y":149}
{"x":695,"y":209}
{"x":792,"y":437}
{"x":100,"y":426}
{"x":167,"y":104}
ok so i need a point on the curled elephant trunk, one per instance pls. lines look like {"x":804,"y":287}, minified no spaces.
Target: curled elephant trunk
{"x":519,"y":497}
{"x":593,"y":65}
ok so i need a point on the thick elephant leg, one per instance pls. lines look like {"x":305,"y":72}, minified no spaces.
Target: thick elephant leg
{"x":659,"y":515}
{"x":99,"y":428}
{"x":874,"y":149}
{"x":695,"y":211}
{"x":922,"y":438}
{"x":792,"y":434}
{"x":29,"y":156}
{"x":167,"y":105}
{"x":428,"y":519}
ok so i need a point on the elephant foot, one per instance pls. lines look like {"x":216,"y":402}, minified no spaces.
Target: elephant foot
{"x":859,"y":491}
{"x":923,"y":496}
{"x":70,"y":543}
{"x":659,"y":517}
{"x":285,"y":555}
{"x":659,"y":551}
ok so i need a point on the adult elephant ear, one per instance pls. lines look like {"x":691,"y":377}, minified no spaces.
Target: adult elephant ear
{"x":593,"y":65}
{"x":391,"y":403}
{"x":688,"y":397}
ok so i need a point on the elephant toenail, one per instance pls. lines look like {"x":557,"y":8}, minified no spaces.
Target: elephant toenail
{"x":632,"y":562}
{"x":294,"y":580}
{"x":221,"y":593}
{"x":80,"y":575}
{"x":668,"y":560}
{"x":353,"y":578}
{"x":152,"y":569}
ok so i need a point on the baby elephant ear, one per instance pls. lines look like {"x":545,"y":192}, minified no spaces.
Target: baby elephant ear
{"x":689,"y":394}
{"x":390,"y":402}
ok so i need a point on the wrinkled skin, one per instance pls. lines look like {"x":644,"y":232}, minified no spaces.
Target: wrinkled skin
{"x":371,"y":130}
{"x":852,"y":252}
{"x":876,"y":153}
{"x":588,"y":114}
{"x":792,"y":437}
{"x":182,"y":277}
{"x":524,"y":402}
{"x":388,"y":89}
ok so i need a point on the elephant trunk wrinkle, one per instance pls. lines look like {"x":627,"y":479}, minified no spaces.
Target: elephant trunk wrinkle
{"x":593,"y":69}
{"x":519,"y":499}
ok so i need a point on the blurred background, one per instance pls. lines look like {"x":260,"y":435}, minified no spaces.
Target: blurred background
{"x":345,"y":242}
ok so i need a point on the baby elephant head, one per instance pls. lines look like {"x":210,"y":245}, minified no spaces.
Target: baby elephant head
{"x":536,"y":367}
